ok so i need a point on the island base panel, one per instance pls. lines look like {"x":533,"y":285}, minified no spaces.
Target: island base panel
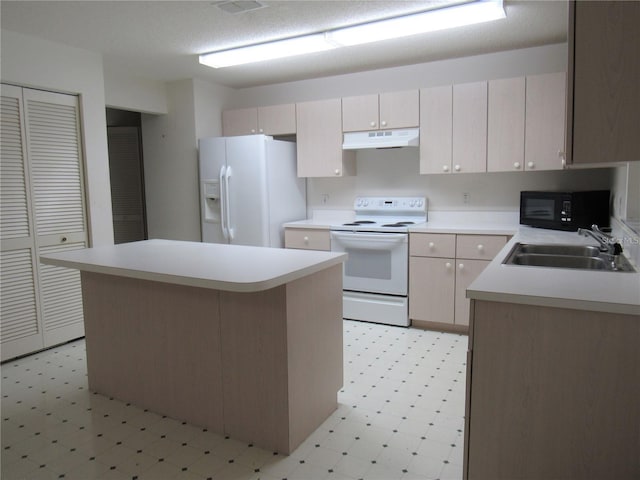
{"x":282,"y":359}
{"x":155,"y":345}
{"x":264,"y":367}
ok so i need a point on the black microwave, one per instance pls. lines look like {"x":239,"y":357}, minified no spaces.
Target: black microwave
{"x":565,"y":210}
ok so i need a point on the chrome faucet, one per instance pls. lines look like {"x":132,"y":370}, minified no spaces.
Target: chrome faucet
{"x":607,"y":243}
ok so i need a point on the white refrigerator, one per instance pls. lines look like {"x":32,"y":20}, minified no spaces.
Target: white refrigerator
{"x":248,"y":188}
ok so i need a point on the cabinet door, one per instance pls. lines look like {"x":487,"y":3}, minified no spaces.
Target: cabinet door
{"x":307,"y":239}
{"x":400,"y":109}
{"x":466,"y":272}
{"x":606,"y":80}
{"x":21,"y":330}
{"x":319,"y":140}
{"x":545,"y":123}
{"x":277,"y":119}
{"x":360,"y":113}
{"x":431,"y":289}
{"x":243,"y":121}
{"x":432,"y":245}
{"x":55,"y":158}
{"x":469,"y":148}
{"x":505,"y":130}
{"x":436,"y":112}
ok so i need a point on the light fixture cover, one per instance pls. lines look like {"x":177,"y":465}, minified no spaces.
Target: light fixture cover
{"x":431,"y":20}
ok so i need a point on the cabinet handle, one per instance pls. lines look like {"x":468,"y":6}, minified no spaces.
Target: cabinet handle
{"x":261,"y":130}
{"x":447,"y":265}
{"x":383,"y":123}
{"x":461,"y":266}
{"x":431,"y":245}
{"x":516,"y":165}
{"x":63,"y":239}
{"x":253,"y":130}
{"x":372,"y":124}
{"x":337,"y":171}
{"x":306,"y":240}
{"x":457,"y":168}
{"x":480,"y":247}
{"x":530,"y":165}
{"x":445,"y":168}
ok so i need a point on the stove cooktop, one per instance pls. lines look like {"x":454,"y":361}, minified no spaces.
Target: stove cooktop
{"x":386,"y":214}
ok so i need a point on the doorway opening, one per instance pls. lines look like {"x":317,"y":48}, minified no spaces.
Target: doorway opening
{"x":124,"y":135}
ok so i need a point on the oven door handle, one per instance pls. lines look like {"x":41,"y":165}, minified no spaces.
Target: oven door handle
{"x":369,"y":241}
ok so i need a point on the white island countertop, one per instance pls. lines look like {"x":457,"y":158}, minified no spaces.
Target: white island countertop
{"x":217,"y":266}
{"x":602,"y":291}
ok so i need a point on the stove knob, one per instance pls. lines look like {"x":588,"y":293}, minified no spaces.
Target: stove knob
{"x":420,"y":203}
{"x":359,"y":203}
{"x":365,"y":203}
{"x":412,"y":203}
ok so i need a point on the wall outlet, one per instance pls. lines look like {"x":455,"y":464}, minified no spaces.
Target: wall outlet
{"x":466,"y":198}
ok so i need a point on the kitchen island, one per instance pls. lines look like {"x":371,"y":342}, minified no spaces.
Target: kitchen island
{"x":553,"y":369}
{"x":244,"y":341}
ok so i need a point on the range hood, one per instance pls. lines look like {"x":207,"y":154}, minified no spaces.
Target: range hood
{"x":381,"y":139}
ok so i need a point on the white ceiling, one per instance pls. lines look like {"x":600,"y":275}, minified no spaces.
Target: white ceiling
{"x":161,"y":39}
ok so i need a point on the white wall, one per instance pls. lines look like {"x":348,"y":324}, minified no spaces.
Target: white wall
{"x":31,"y":62}
{"x":134,"y":93}
{"x":171,"y":157}
{"x":170,"y":167}
{"x":545,"y":59}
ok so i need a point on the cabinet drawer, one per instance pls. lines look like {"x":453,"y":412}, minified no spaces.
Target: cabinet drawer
{"x":432,"y":245}
{"x":308,"y":239}
{"x":481,"y":247}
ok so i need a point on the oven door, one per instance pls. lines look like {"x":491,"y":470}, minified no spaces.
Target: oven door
{"x":377,"y":262}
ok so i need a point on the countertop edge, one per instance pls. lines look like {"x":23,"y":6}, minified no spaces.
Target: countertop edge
{"x":246,"y":287}
{"x":554,"y":302}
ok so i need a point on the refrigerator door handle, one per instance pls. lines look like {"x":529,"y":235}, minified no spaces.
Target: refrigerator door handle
{"x":230,"y":230}
{"x":223,"y":202}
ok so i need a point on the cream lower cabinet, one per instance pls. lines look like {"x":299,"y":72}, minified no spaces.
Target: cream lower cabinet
{"x":441,"y":268}
{"x":307,"y":239}
{"x":552,"y":393}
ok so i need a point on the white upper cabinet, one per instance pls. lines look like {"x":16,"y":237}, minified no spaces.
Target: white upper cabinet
{"x":436,"y":112}
{"x":383,"y":111}
{"x":545,"y":124}
{"x":604,"y":99}
{"x":319,"y":140}
{"x":505,"y":140}
{"x":469,"y":146}
{"x":270,"y":120}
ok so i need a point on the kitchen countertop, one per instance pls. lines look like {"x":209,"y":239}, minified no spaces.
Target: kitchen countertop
{"x":614,"y":292}
{"x":439,"y":221}
{"x":216,"y":266}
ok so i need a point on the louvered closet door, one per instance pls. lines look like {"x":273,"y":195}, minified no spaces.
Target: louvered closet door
{"x":57,"y":182}
{"x":20,"y":330}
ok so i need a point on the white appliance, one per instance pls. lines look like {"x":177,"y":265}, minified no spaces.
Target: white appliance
{"x":249,"y":188}
{"x":376,"y":272}
{"x":381,"y":139}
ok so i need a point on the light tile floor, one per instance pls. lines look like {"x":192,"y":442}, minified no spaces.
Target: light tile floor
{"x":400,"y":416}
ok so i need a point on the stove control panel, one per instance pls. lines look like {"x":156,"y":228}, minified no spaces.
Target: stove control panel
{"x":390,"y":204}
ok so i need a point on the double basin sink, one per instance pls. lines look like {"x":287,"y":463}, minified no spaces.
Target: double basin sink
{"x":583,"y":257}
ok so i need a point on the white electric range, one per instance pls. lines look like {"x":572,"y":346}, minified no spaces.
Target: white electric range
{"x":375,"y":279}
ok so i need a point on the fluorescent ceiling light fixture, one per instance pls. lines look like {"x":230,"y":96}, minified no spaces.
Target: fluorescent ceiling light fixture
{"x":429,"y":21}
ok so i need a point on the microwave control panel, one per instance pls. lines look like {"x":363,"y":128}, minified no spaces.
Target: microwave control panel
{"x":565,"y":213}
